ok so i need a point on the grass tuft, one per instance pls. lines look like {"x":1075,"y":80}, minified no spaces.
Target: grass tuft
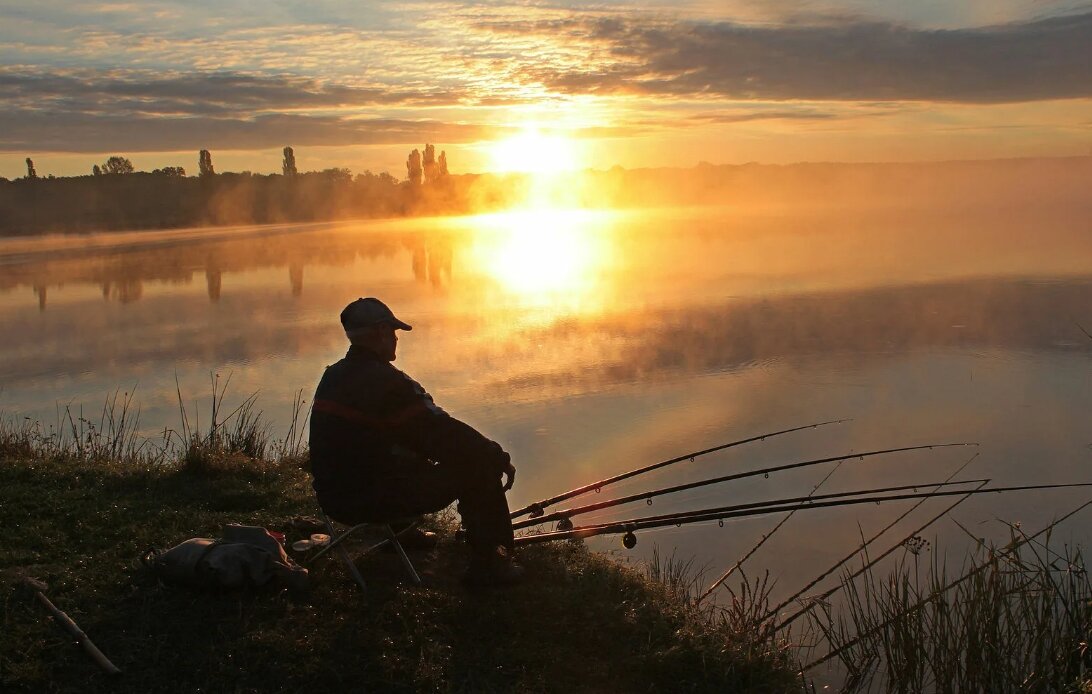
{"x":739,"y":623}
{"x":111,"y":438}
{"x":1017,"y":618}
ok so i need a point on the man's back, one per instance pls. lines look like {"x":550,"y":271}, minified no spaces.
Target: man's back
{"x":358,"y":403}
{"x":371,"y":423}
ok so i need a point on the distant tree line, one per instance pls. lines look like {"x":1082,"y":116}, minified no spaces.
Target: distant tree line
{"x":116,"y":196}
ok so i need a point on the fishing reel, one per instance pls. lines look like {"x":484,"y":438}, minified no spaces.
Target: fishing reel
{"x":629,"y":540}
{"x":535,"y":510}
{"x":564,"y":525}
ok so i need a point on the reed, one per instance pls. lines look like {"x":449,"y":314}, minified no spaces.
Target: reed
{"x":737,"y":620}
{"x":291,"y":450}
{"x":680,"y":577}
{"x":1016,"y":618}
{"x":241,"y":439}
{"x":112,"y":437}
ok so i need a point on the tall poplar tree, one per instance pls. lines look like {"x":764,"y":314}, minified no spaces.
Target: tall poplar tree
{"x":413,"y":167}
{"x":204,"y":164}
{"x":288,"y":166}
{"x":429,"y":163}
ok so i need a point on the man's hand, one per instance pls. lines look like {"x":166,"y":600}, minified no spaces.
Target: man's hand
{"x":510,"y":473}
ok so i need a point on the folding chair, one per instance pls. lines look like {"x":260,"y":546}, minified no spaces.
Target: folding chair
{"x":336,"y":541}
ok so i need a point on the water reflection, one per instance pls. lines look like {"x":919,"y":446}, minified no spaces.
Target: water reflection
{"x":295,"y":278}
{"x":541,"y":265}
{"x":432,"y":259}
{"x":121,"y":273}
{"x":541,"y":256}
{"x":540,"y":292}
{"x":880,"y":323}
{"x":585,"y":261}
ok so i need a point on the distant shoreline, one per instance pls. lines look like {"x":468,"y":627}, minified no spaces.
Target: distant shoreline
{"x":147,"y":202}
{"x":19,"y":249}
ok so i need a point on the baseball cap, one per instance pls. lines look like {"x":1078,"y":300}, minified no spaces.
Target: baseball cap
{"x":363,"y":313}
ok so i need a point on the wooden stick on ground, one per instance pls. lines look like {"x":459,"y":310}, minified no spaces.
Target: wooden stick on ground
{"x":70,"y":626}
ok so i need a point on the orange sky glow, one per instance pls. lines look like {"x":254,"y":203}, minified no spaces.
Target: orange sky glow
{"x":540,"y":86}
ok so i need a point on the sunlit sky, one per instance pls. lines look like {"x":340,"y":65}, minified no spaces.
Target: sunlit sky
{"x":540,"y":85}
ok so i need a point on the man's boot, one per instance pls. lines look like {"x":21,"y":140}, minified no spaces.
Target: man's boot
{"x":493,"y":569}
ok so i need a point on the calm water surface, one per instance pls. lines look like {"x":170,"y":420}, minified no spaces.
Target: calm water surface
{"x":591,"y":343}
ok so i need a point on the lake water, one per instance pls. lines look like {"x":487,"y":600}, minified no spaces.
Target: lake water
{"x":589,"y":343}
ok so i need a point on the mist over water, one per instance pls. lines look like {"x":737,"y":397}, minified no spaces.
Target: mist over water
{"x":589,"y":343}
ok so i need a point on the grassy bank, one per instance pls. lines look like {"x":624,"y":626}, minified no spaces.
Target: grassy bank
{"x":83,"y":499}
{"x":79,"y":522}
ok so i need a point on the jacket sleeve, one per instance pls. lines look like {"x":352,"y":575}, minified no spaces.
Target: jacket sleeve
{"x":419,"y":424}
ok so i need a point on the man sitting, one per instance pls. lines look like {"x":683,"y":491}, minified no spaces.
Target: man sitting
{"x":381,"y":449}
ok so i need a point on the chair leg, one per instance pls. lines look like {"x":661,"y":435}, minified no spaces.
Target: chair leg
{"x":393,"y":539}
{"x":336,"y":539}
{"x":344,"y":554}
{"x":335,"y":542}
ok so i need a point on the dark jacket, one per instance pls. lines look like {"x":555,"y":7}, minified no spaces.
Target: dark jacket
{"x":371,"y":422}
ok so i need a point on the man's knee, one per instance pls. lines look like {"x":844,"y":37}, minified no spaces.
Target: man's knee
{"x":485,"y":485}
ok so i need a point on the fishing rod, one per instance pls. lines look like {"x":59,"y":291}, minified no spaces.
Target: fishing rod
{"x":771,"y":505}
{"x":766,"y":537}
{"x":563,"y":516}
{"x":727,"y":512}
{"x":822,"y":597}
{"x":537,"y":509}
{"x":864,"y":546}
{"x":724,"y":576}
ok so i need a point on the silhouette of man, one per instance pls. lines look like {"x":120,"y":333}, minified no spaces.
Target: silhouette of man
{"x":382,"y":449}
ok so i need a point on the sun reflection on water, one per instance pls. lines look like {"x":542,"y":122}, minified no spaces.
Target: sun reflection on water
{"x":545,"y":259}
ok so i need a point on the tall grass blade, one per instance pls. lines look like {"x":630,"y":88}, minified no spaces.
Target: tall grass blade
{"x":939,"y":588}
{"x":763,"y":540}
{"x":841,"y":562}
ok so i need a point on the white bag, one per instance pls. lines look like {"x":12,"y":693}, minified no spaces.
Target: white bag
{"x":245,"y":555}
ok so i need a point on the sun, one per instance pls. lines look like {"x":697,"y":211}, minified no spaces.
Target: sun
{"x":534,"y":150}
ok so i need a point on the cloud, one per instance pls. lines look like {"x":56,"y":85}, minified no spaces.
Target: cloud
{"x":88,"y":110}
{"x":196,"y":92}
{"x":31,"y":131}
{"x":67,"y":132}
{"x":835,"y":60}
{"x":132,"y":111}
{"x":122,"y":83}
{"x":746,"y":116}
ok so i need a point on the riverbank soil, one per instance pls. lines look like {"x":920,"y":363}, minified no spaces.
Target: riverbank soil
{"x":582,"y":622}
